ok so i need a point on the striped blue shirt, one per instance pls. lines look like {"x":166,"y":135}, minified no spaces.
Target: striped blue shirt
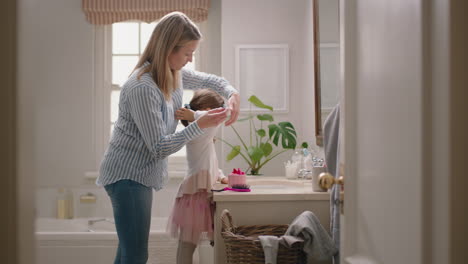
{"x":144,"y":134}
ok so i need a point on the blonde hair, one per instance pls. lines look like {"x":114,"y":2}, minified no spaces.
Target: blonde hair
{"x":171,"y":33}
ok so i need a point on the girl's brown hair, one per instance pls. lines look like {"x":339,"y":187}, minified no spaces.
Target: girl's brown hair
{"x":171,"y":33}
{"x":203,"y":99}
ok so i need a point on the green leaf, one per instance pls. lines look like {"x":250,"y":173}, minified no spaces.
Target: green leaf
{"x":258,"y":103}
{"x":267,"y":148}
{"x":255,"y":153}
{"x":234,"y":152}
{"x":261,"y":132}
{"x":284,"y":131}
{"x":265,"y":117}
{"x":305,"y":145}
{"x":245,"y":118}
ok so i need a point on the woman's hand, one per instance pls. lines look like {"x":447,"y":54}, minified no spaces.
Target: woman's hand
{"x":212,"y":118}
{"x":234,"y":107}
{"x":185,"y":114}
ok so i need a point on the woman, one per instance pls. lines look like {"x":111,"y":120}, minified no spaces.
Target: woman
{"x":144,"y":134}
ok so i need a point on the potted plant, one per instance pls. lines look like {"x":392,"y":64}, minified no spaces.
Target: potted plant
{"x":262,"y":145}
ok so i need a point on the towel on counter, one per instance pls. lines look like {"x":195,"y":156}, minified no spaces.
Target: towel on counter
{"x":318,"y":244}
{"x":270,"y":246}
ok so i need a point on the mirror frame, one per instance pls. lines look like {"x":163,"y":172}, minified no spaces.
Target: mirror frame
{"x":317,"y":89}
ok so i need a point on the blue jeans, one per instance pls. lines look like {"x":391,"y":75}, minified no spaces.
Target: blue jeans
{"x":131,"y":203}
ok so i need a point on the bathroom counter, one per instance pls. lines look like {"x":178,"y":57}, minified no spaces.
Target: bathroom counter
{"x":271,"y":189}
{"x":273,"y":200}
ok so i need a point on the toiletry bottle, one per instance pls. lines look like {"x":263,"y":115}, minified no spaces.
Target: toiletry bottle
{"x":307,"y":162}
{"x":62,"y":204}
{"x":297,"y":159}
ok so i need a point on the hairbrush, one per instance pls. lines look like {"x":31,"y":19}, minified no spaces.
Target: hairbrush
{"x":235,"y":188}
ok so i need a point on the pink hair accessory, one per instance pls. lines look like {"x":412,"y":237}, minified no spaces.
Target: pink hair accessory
{"x":238,"y":171}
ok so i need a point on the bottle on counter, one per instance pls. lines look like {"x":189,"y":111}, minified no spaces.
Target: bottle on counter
{"x":297,"y":160}
{"x":64,"y":204}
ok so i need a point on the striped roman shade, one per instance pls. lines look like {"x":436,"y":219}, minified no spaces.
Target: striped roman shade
{"x":105,"y":12}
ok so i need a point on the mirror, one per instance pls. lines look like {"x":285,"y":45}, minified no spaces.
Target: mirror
{"x":326,"y":36}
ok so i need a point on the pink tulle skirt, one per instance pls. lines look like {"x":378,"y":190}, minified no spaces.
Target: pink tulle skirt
{"x":191,"y":216}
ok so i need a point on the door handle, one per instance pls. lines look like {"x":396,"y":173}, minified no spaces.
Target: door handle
{"x":326,"y":180}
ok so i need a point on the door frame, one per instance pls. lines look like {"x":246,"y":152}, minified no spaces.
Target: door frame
{"x":8,"y":151}
{"x":458,"y":131}
{"x":445,"y":124}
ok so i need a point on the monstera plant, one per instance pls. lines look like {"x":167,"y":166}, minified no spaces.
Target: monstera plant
{"x":266,"y":140}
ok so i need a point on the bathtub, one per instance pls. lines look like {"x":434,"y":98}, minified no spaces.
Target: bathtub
{"x":77,"y":241}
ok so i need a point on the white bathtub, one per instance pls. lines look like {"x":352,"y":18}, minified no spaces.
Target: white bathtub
{"x":75,"y":242}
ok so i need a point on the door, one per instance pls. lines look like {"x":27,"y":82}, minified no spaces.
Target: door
{"x":383,"y":88}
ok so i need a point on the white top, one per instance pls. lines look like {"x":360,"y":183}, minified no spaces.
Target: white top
{"x":203,"y":170}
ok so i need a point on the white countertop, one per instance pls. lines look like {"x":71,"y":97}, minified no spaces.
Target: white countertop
{"x":271,"y":189}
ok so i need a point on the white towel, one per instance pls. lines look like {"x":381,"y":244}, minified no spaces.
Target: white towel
{"x":270,"y":246}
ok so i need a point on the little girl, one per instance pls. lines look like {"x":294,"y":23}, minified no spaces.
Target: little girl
{"x":193,"y":208}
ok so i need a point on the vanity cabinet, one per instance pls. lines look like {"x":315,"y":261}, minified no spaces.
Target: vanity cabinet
{"x":273,"y":200}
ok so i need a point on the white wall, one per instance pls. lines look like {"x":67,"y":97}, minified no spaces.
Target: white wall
{"x":56,"y":84}
{"x":273,"y":22}
{"x":55,"y":97}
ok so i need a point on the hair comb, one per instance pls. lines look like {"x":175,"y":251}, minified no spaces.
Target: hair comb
{"x":235,"y":188}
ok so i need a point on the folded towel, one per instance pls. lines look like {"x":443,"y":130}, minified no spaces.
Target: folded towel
{"x":318,"y":244}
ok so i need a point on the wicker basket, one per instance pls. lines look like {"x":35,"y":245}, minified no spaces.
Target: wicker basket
{"x":243,"y":246}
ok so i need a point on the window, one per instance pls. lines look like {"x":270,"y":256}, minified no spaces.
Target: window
{"x":129,"y":40}
{"x":118,"y":48}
